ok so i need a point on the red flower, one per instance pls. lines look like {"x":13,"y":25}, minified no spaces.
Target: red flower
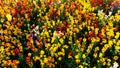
{"x":27,"y":59}
{"x":18,"y":4}
{"x":100,"y":35}
{"x":16,"y":50}
{"x":83,"y":47}
{"x":94,"y":2}
{"x":70,"y":53}
{"x":101,"y":2}
{"x":80,"y":39}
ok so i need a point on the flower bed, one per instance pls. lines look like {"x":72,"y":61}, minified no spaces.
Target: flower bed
{"x":59,"y":34}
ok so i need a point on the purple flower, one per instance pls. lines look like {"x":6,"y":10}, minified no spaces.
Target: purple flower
{"x":115,"y":5}
{"x":31,"y":35}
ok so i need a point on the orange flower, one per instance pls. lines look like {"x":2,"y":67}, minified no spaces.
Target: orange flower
{"x":34,"y":49}
{"x":29,"y":44}
{"x":116,"y":57}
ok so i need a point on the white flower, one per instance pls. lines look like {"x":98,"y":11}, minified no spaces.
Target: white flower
{"x":115,"y":65}
{"x":36,"y":30}
{"x":110,"y":13}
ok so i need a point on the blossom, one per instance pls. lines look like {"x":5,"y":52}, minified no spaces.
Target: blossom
{"x":9,"y":17}
{"x":17,"y":51}
{"x":115,"y":65}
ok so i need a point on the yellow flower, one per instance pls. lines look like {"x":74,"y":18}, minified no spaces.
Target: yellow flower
{"x":65,"y":46}
{"x":77,"y":60}
{"x":53,"y":39}
{"x":77,"y":56}
{"x":104,"y":49}
{"x":100,"y":54}
{"x":45,"y":60}
{"x":81,"y":66}
{"x":109,"y":60}
{"x":9,"y":17}
{"x":96,"y":48}
{"x":83,"y":56}
{"x":2,"y":49}
{"x":29,"y":54}
{"x":108,"y":64}
{"x":104,"y":63}
{"x":102,"y":59}
{"x":118,"y":43}
{"x":94,"y":67}
{"x":61,"y":40}
{"x":84,"y":39}
{"x":42,"y":52}
{"x":95,"y":55}
{"x":60,"y":58}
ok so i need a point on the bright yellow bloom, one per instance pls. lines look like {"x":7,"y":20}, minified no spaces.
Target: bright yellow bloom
{"x":2,"y":49}
{"x":81,"y":66}
{"x":29,"y":54}
{"x":60,"y":58}
{"x":61,"y":41}
{"x":9,"y":17}
{"x":77,"y":56}
{"x":77,"y":60}
{"x":83,"y":56}
{"x":95,"y":55}
{"x":45,"y":60}
{"x":42,"y":52}
{"x":102,"y":59}
{"x":100,"y":54}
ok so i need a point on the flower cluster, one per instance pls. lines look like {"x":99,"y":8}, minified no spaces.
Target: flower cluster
{"x":59,"y":34}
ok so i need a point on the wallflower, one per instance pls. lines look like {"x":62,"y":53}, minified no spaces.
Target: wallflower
{"x":77,"y":56}
{"x":77,"y":60}
{"x":95,"y":55}
{"x":2,"y":49}
{"x":29,"y":54}
{"x":83,"y":56}
{"x":115,"y":57}
{"x":42,"y":52}
{"x":59,"y":58}
{"x":9,"y":17}
{"x":115,"y":65}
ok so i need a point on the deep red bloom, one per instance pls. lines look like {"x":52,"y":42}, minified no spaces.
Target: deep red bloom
{"x":70,"y":53}
{"x":101,"y":2}
{"x":16,"y":51}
